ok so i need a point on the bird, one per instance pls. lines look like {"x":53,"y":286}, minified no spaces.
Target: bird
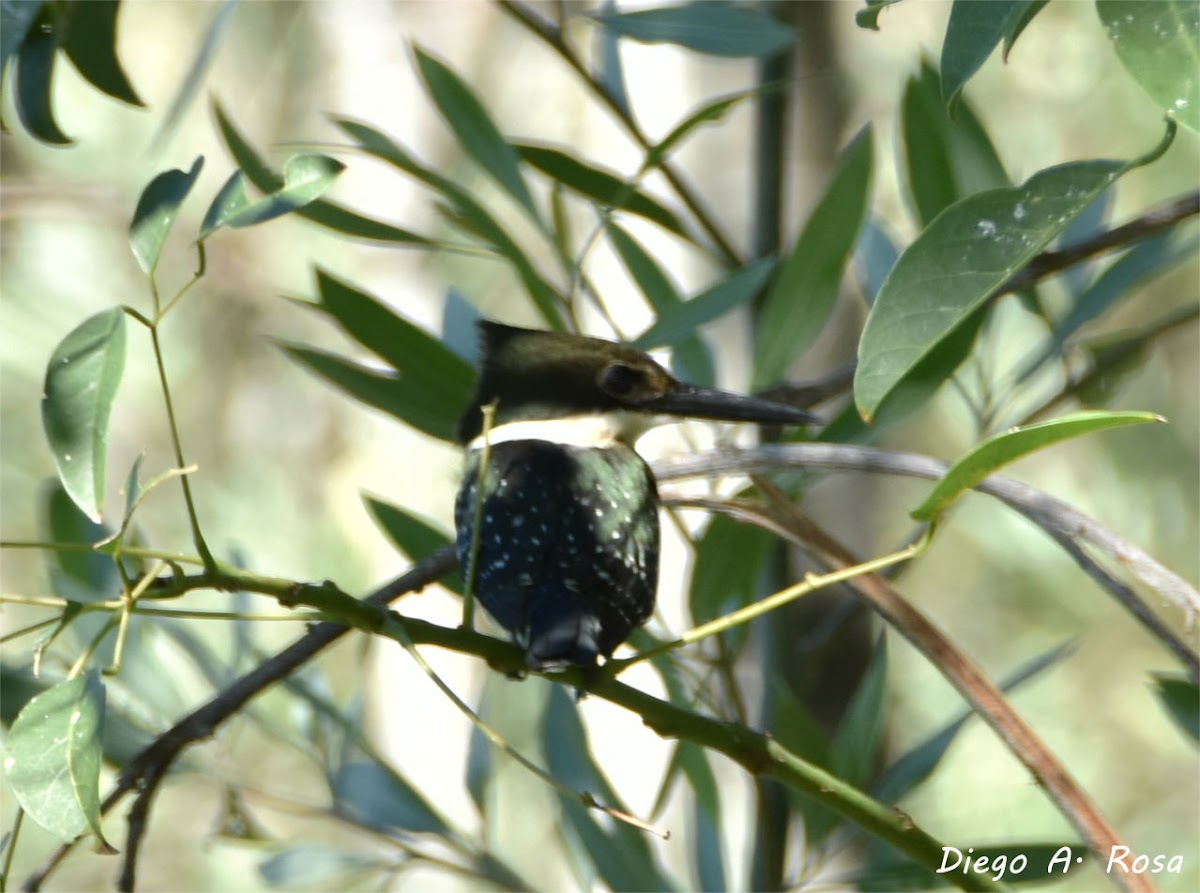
{"x":565,"y":557}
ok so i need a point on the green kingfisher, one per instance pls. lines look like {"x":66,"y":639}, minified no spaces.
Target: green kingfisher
{"x":566,"y":555}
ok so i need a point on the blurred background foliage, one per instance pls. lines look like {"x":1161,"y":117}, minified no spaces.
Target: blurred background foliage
{"x":285,"y":461}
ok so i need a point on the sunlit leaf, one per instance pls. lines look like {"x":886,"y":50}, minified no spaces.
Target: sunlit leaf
{"x":53,"y":761}
{"x":713,"y":27}
{"x":969,"y":251}
{"x":305,"y":177}
{"x":1158,"y":42}
{"x":81,"y":384}
{"x":998,"y":451}
{"x":322,"y":211}
{"x":478,"y":136}
{"x":156,"y":211}
{"x":802,"y":297}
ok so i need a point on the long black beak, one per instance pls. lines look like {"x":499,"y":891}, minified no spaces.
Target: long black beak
{"x":707,"y":403}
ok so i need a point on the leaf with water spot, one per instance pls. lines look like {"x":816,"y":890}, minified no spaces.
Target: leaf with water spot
{"x":1158,"y":42}
{"x":960,"y":260}
{"x":81,"y":384}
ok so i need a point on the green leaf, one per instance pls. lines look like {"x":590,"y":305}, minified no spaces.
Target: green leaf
{"x":84,"y":577}
{"x":34,"y":92}
{"x":620,"y":853}
{"x":707,"y":114}
{"x":856,"y":743}
{"x":305,"y":177}
{"x":156,"y":211}
{"x":476,"y":133}
{"x":197,"y":71}
{"x":412,"y":535}
{"x":1180,"y":697}
{"x":868,"y":16}
{"x":1158,"y":42}
{"x":945,"y":159}
{"x":1001,"y":449}
{"x":390,"y":392}
{"x":1121,"y":279}
{"x":81,"y":384}
{"x":690,"y":358}
{"x":317,"y":866}
{"x":599,"y":185}
{"x":321,"y":211}
{"x":960,"y":260}
{"x":974,"y":30}
{"x":91,"y":44}
{"x":471,"y":215}
{"x":713,"y":28}
{"x":374,"y":795}
{"x":802,"y":297}
{"x":53,"y":762}
{"x":1018,"y":25}
{"x":420,"y":357}
{"x":16,"y":18}
{"x":729,"y":559}
{"x":682,"y":321}
{"x":917,"y":764}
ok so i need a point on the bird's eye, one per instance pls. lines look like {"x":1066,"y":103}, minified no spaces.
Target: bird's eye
{"x":619,"y":380}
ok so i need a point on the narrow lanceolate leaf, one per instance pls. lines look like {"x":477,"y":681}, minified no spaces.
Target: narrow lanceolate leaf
{"x":1180,"y":697}
{"x":424,"y":363}
{"x":974,"y":30}
{"x":34,"y":92}
{"x":321,"y":211}
{"x":91,"y":44}
{"x":53,"y":762}
{"x":390,"y":392}
{"x":868,"y":16}
{"x":706,"y":114}
{"x":968,"y":252}
{"x":1158,"y":42}
{"x":156,"y":211}
{"x":681,"y":321}
{"x":15,"y":21}
{"x":1004,"y":448}
{"x":412,"y":535}
{"x":711,"y":27}
{"x":81,"y":384}
{"x":478,"y":136}
{"x":599,"y":185}
{"x":305,"y":177}
{"x":804,"y":292}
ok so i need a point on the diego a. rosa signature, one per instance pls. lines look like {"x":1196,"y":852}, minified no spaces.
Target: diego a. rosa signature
{"x":998,"y":865}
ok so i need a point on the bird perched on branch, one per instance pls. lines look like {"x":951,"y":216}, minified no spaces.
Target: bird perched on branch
{"x":563,"y":539}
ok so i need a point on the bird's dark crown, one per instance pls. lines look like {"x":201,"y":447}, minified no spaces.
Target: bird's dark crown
{"x":549,"y":375}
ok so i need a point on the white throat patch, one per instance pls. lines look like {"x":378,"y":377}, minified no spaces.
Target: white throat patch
{"x":594,"y":430}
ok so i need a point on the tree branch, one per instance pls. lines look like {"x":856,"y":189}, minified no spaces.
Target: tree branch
{"x":1058,"y":518}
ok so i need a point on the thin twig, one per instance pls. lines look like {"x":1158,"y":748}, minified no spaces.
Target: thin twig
{"x":979,"y":691}
{"x":552,"y":35}
{"x":1049,"y":513}
{"x":145,"y":771}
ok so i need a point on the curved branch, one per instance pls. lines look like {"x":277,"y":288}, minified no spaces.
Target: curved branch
{"x":1056,"y":517}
